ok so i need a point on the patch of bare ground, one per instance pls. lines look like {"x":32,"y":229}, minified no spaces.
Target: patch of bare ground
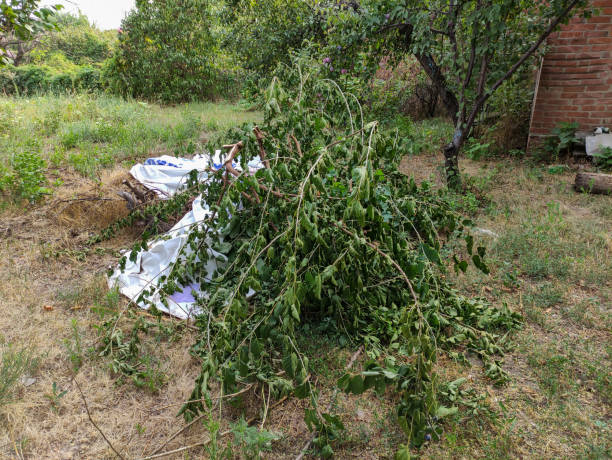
{"x":551,"y":261}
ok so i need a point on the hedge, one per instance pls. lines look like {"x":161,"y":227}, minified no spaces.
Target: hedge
{"x":34,"y":79}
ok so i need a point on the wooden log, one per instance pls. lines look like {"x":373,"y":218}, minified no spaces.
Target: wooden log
{"x":593,"y":183}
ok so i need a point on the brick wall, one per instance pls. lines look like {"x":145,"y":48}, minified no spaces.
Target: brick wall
{"x":575,"y":81}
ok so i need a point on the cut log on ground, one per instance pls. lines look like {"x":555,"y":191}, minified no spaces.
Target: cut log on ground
{"x":593,"y":183}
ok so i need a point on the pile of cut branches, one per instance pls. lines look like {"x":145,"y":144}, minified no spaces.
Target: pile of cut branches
{"x":330,"y":231}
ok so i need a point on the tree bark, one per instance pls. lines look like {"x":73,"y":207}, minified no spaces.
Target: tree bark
{"x":451,"y":166}
{"x":594,"y":183}
{"x":449,"y":100}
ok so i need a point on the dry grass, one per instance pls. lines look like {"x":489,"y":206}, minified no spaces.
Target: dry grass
{"x":558,"y":404}
{"x":552,"y":262}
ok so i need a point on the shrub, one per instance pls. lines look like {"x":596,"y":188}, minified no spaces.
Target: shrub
{"x":165,"y":52}
{"x":88,"y":79}
{"x":26,"y":177}
{"x":34,"y":79}
{"x":504,"y":125}
{"x":559,"y":143}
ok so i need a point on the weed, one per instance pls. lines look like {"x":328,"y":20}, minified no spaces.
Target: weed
{"x":475,"y":150}
{"x":560,"y":143}
{"x":603,"y":159}
{"x":558,"y":169}
{"x":555,"y":371}
{"x":536,"y":316}
{"x":250,"y":441}
{"x":510,"y":276}
{"x":214,"y":449}
{"x":26,"y":178}
{"x":81,"y":295}
{"x":14,"y":365}
{"x":74,"y":347}
{"x":545,"y":296}
{"x":55,"y":396}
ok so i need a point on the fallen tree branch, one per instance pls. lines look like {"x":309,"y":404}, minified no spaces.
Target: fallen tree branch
{"x":92,"y":420}
{"x":140,"y":195}
{"x":130,"y":200}
{"x":262,"y":153}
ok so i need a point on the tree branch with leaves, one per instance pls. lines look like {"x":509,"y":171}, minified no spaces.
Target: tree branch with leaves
{"x":468,"y":48}
{"x":20,"y":22}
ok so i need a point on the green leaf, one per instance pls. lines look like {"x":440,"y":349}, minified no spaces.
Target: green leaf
{"x":469,"y":240}
{"x":431,"y":254}
{"x":446,"y":411}
{"x":356,"y":385}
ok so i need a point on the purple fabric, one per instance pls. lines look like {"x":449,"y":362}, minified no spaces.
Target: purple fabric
{"x":185,"y":295}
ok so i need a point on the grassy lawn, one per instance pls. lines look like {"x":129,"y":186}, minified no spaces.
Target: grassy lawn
{"x":550,"y":254}
{"x":88,"y":134}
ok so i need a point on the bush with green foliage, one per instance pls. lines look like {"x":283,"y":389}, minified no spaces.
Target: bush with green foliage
{"x":77,"y":40}
{"x":330,"y":233}
{"x":33,"y":79}
{"x":560,"y":143}
{"x":25,"y":180}
{"x":261,"y":35}
{"x":166,"y":52}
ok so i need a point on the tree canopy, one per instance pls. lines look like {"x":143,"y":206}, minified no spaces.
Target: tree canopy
{"x":165,"y":51}
{"x":468,"y":48}
{"x":20,"y":20}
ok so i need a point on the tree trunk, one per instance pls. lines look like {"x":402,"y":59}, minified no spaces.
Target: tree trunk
{"x":449,"y":100}
{"x":451,"y":166}
{"x":593,"y":183}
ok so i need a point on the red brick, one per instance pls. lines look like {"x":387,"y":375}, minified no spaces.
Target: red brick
{"x":599,"y":20}
{"x":599,"y":40}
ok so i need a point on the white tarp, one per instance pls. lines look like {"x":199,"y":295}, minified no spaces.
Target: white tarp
{"x":166,"y":175}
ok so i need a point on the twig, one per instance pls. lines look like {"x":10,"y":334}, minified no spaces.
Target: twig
{"x":314,"y":435}
{"x":92,"y":420}
{"x":262,"y":153}
{"x":131,"y":201}
{"x":85,"y":198}
{"x":167,"y":441}
{"x":297,"y":145}
{"x":141,"y":196}
{"x":205,"y":443}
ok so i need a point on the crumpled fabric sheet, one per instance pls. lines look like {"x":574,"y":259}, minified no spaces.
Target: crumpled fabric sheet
{"x":165,"y":175}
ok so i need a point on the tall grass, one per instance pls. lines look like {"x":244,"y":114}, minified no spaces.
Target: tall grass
{"x":88,"y":132}
{"x":14,"y":365}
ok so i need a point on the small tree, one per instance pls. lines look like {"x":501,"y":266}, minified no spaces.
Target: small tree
{"x":20,"y":22}
{"x":261,"y":34}
{"x":468,"y":48}
{"x":165,"y":51}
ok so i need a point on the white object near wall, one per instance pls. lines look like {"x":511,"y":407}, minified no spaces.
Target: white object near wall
{"x":595,"y":143}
